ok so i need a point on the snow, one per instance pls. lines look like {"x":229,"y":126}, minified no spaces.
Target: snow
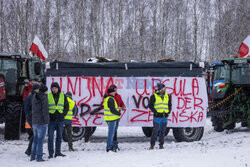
{"x":225,"y":149}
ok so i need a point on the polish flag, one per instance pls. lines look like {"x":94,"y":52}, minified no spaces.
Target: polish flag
{"x":244,"y":48}
{"x":38,"y":49}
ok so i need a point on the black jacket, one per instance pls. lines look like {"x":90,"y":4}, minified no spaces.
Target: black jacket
{"x":58,"y":116}
{"x":40,"y":109}
{"x":111,"y":105}
{"x":27,"y":108}
{"x":152,"y":108}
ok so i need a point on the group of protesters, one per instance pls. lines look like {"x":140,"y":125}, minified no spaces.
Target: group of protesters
{"x":50,"y":111}
{"x":159,"y":104}
{"x":54,"y":111}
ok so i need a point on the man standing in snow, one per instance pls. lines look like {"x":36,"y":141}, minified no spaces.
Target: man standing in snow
{"x":28,"y":114}
{"x":40,"y":120}
{"x":73,"y":110}
{"x":112,"y":117}
{"x":58,"y":109}
{"x":160,"y":105}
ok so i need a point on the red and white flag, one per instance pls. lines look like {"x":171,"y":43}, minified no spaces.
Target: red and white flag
{"x":244,"y":48}
{"x":38,"y":49}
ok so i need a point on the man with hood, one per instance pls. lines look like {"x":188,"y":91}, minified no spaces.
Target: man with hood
{"x":112,"y":117}
{"x":40,"y":120}
{"x":160,"y":105}
{"x":58,"y":109}
{"x":28,"y":114}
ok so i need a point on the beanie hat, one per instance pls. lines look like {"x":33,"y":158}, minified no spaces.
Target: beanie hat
{"x":55,"y":84}
{"x":35,"y":86}
{"x":112,"y":86}
{"x":69,"y":94}
{"x":160,"y":86}
{"x":110,"y":90}
{"x":43,"y":88}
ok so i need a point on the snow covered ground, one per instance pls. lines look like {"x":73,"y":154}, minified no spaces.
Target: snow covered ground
{"x":225,"y":149}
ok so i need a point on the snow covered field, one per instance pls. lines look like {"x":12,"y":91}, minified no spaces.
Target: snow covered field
{"x":225,"y":149}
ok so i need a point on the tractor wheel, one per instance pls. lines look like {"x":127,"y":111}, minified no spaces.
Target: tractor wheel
{"x":89,"y":132}
{"x":13,"y":116}
{"x":148,"y":131}
{"x":188,"y":134}
{"x":78,"y":133}
{"x":217,"y":123}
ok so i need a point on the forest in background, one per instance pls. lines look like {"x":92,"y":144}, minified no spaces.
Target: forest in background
{"x":142,"y":30}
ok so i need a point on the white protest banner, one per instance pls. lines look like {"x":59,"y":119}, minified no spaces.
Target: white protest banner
{"x":188,"y":94}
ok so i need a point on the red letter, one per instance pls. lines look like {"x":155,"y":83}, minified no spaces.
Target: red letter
{"x":175,"y":117}
{"x":198,"y":104}
{"x":70,"y":84}
{"x":95,"y":83}
{"x":179,"y":103}
{"x":97,"y":117}
{"x":195,"y":87}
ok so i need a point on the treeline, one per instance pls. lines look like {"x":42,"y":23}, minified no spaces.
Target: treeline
{"x":143,"y":30}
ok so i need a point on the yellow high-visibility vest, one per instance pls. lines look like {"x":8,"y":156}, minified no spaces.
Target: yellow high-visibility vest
{"x":108,"y":115}
{"x":52,"y":105}
{"x":161,"y":105}
{"x":71,"y":107}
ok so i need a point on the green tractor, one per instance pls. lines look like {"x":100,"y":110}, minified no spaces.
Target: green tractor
{"x":232,"y":98}
{"x":17,"y":74}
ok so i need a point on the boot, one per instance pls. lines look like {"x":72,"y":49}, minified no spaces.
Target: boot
{"x":151,"y":147}
{"x":71,"y":149}
{"x":161,"y":147}
{"x":59,"y":155}
{"x":27,"y":152}
{"x":50,"y":156}
{"x":41,"y":160}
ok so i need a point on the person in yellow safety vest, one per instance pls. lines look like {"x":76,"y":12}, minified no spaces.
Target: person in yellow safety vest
{"x":160,"y":105}
{"x":112,"y":117}
{"x":73,"y":110}
{"x":58,"y":109}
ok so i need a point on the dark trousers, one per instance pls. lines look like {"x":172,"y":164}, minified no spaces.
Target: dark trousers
{"x":30,"y":132}
{"x":58,"y":126}
{"x":68,"y":129}
{"x":160,"y":126}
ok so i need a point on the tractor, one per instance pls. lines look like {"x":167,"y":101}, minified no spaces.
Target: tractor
{"x":231,"y":98}
{"x":17,"y":74}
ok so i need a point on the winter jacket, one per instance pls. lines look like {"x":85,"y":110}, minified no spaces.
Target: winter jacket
{"x":58,"y":116}
{"x":152,"y":108}
{"x":40,"y":109}
{"x":27,"y":108}
{"x":111,"y":105}
{"x":118,"y":100}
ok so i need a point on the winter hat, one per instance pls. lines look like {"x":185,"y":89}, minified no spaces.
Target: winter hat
{"x":112,"y":86}
{"x":110,"y":90}
{"x":43,"y":88}
{"x":35,"y":86}
{"x":55,"y":84}
{"x":69,"y":94}
{"x":160,"y":86}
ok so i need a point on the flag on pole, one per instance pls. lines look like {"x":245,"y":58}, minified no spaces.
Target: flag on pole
{"x":244,"y":48}
{"x":38,"y":49}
